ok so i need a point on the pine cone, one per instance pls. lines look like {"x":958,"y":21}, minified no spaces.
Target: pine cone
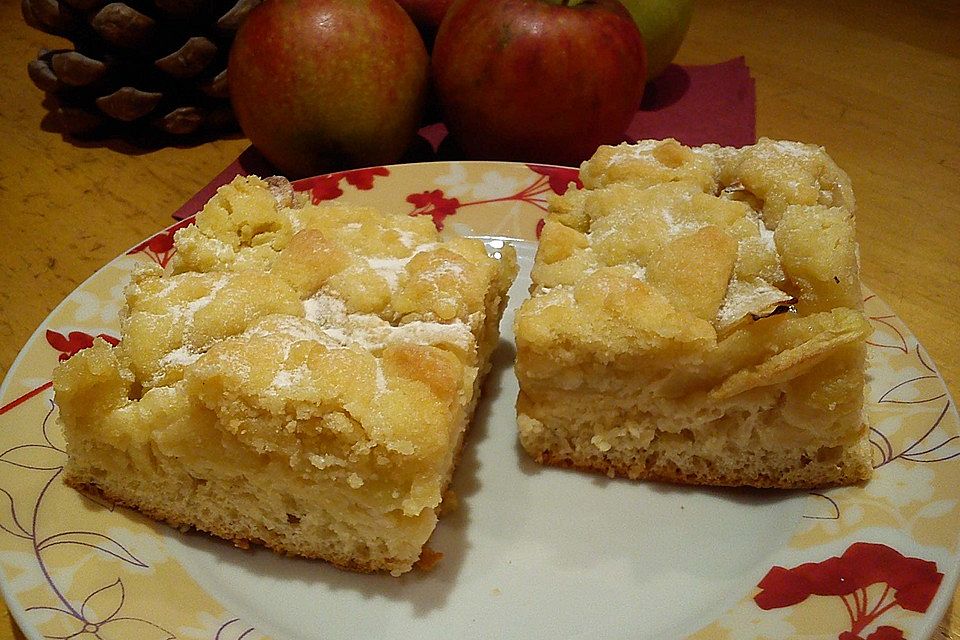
{"x":138,"y":65}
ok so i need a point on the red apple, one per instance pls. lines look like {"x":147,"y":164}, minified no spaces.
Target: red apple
{"x":538,"y":80}
{"x":427,"y":15}
{"x":327,"y":84}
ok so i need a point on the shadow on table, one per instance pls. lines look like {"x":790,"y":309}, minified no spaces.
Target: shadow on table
{"x":128,"y":139}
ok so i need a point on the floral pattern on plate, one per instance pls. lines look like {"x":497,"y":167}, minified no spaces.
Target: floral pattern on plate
{"x":876,"y":562}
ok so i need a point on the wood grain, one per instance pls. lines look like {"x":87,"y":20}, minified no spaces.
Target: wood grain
{"x":877,"y":83}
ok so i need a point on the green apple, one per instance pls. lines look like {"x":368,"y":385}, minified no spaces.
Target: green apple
{"x":663,"y":24}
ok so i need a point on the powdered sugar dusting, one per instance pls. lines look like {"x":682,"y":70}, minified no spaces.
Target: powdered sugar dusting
{"x":184,"y":313}
{"x":641,"y":149}
{"x":296,"y":220}
{"x":677,"y":228}
{"x":293,"y":329}
{"x":372,"y":333}
{"x":389,"y":268}
{"x":381,"y":378}
{"x":789,"y":148}
{"x":182,"y":357}
{"x":456,"y":334}
{"x":374,"y":337}
{"x":411,"y":240}
{"x":289,"y":378}
{"x":324,"y":309}
{"x":445,"y":268}
{"x":169,"y":284}
{"x":767,"y":237}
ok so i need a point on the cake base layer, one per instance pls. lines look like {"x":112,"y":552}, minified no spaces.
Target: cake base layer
{"x":254,"y":511}
{"x":668,"y":459}
{"x":696,"y":317}
{"x":257,"y":501}
{"x":300,"y":377}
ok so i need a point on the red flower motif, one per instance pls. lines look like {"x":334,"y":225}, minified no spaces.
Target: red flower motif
{"x":912,"y":581}
{"x":362,"y":179}
{"x":559,"y":177}
{"x":882,"y":633}
{"x":75,"y":341}
{"x":160,"y":243}
{"x":540,"y":224}
{"x":160,"y":246}
{"x":327,"y":187}
{"x":434,"y":204}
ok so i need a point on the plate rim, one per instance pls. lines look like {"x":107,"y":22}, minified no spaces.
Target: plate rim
{"x":931,"y":619}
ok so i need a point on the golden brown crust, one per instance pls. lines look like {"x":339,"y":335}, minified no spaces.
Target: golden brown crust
{"x":428,"y":559}
{"x":818,"y":476}
{"x":301,"y":378}
{"x":695,"y":317}
{"x":183,"y":525}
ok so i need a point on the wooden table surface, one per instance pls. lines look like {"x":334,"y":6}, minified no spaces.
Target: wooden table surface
{"x":877,"y":83}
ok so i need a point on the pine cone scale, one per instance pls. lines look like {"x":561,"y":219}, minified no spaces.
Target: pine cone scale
{"x":217,"y":86}
{"x":123,"y":26}
{"x":42,"y":75}
{"x":181,"y":121}
{"x":190,"y":59}
{"x":138,"y":65}
{"x":231,"y":19}
{"x":49,"y":16}
{"x":128,"y":103}
{"x":76,"y":69}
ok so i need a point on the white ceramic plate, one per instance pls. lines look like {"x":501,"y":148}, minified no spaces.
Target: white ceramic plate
{"x":531,"y":552}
